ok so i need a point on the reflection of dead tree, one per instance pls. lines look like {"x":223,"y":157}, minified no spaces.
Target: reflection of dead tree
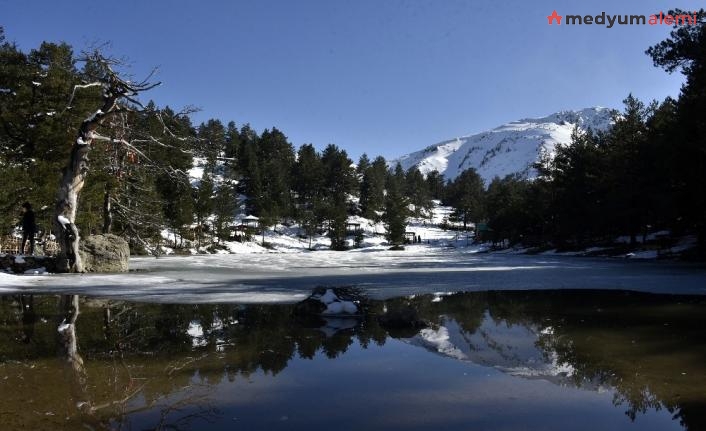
{"x":193,"y":403}
{"x":68,"y":342}
{"x":76,"y":370}
{"x":68,"y":350}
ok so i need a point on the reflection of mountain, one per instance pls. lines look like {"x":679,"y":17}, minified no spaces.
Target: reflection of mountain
{"x":649,"y":349}
{"x":511,"y":348}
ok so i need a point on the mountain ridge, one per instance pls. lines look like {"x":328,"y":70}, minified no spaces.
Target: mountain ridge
{"x":511,"y":148}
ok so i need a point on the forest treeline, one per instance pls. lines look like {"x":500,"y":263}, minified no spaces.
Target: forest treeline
{"x":645,"y":174}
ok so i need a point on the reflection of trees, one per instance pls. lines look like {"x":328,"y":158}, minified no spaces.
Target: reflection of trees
{"x":639,"y":344}
{"x":628,"y":341}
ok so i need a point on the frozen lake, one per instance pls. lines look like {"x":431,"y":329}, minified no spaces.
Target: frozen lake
{"x":289,"y":277}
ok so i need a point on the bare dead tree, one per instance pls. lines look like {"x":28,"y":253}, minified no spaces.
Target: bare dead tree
{"x":119,"y":95}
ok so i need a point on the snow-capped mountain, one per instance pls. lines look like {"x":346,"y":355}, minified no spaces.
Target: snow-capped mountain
{"x":511,"y":148}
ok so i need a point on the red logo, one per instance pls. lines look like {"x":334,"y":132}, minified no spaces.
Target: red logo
{"x":554,"y":16}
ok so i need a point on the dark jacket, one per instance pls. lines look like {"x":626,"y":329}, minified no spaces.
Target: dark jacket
{"x":28,"y":223}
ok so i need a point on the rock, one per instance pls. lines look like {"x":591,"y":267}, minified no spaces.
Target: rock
{"x":104,"y":253}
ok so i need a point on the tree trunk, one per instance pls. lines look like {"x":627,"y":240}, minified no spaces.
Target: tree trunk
{"x":68,"y":237}
{"x":72,"y":181}
{"x":107,"y":211}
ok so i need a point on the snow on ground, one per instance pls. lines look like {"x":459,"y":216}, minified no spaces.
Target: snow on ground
{"x":286,"y":271}
{"x":290,"y":239}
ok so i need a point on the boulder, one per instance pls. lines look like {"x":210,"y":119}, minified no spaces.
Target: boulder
{"x":104,"y":253}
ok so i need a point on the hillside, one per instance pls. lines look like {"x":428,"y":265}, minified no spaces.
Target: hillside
{"x":507,"y":149}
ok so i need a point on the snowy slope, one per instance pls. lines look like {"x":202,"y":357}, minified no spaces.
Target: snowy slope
{"x":508,"y":149}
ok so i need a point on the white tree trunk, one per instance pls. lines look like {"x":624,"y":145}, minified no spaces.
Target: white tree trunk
{"x":115,"y":91}
{"x":72,"y":181}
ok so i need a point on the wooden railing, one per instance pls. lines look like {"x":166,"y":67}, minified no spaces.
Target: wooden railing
{"x":11,"y":245}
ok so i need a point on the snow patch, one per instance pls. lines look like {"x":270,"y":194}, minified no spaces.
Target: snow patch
{"x":63,"y":221}
{"x":36,"y":271}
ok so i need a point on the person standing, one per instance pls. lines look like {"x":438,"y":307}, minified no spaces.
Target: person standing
{"x":29,"y":227}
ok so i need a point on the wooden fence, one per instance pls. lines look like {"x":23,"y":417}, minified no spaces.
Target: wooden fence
{"x":11,"y":245}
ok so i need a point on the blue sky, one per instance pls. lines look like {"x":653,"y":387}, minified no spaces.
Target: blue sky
{"x":378,"y":76}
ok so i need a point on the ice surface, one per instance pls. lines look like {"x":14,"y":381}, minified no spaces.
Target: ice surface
{"x":290,"y":277}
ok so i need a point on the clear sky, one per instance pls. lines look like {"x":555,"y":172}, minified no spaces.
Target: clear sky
{"x":378,"y":76}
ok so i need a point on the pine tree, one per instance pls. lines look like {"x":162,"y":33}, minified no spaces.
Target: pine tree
{"x":232,"y":144}
{"x":363,"y":165}
{"x":203,"y":203}
{"x":339,"y":183}
{"x":178,"y":204}
{"x":224,"y":207}
{"x":465,"y":194}
{"x":308,"y":185}
{"x":276,"y":159}
{"x":663,"y":182}
{"x":396,"y":210}
{"x":212,"y":141}
{"x":627,"y":141}
{"x":372,"y":188}
{"x":417,"y":191}
{"x":507,"y":208}
{"x":249,"y":169}
{"x":684,"y":50}
{"x":435,"y":184}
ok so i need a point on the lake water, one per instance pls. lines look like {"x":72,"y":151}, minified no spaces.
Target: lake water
{"x":492,"y":360}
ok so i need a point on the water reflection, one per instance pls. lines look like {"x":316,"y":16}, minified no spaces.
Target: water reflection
{"x":146,"y":366}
